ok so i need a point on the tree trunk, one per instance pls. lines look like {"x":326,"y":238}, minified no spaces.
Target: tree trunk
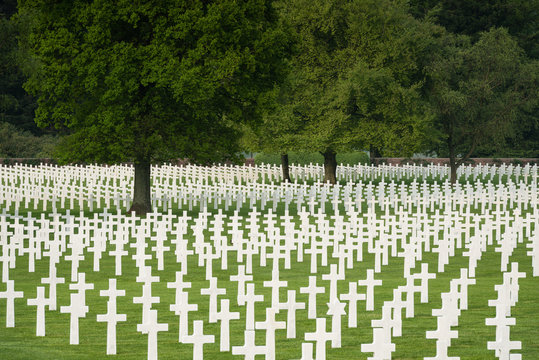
{"x":453,"y":165}
{"x":142,"y":203}
{"x":452,"y":162}
{"x":330,"y":166}
{"x":286,"y":168}
{"x":373,"y":154}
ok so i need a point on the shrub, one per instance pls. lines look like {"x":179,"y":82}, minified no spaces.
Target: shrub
{"x":15,"y":143}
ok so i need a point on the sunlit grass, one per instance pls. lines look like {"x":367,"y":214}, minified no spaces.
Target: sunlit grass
{"x":21,"y":343}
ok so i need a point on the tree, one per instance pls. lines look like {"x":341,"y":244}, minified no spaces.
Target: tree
{"x":472,"y":17}
{"x":16,"y":106}
{"x":478,"y":92}
{"x":277,"y":132}
{"x":357,"y":76}
{"x":153,"y":80}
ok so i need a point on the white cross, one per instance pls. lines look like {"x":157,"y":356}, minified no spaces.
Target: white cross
{"x":146,"y":299}
{"x":503,"y":345}
{"x":249,"y":350}
{"x":182,"y":309}
{"x":370,"y":283}
{"x":409,"y":289}
{"x":291,"y":306}
{"x":213,"y":291}
{"x":152,"y":327}
{"x":145,"y":275}
{"x":512,"y":281}
{"x":332,"y":277}
{"x":111,"y":317}
{"x":381,"y":345}
{"x":224,"y":315}
{"x":5,"y":259}
{"x":81,"y":286}
{"x":198,"y":339}
{"x":424,"y":276}
{"x":10,"y":295}
{"x":179,"y":284}
{"x":76,"y":255}
{"x":275,"y":285}
{"x":118,"y":253}
{"x":463,"y":284}
{"x":241,"y":278}
{"x":392,"y":313}
{"x":312,"y":290}
{"x":250,"y":299}
{"x":77,"y":309}
{"x":447,"y":316}
{"x":353,"y":297}
{"x":160,"y":247}
{"x":40,"y":301}
{"x":270,"y":325}
{"x":98,"y":247}
{"x":320,"y":336}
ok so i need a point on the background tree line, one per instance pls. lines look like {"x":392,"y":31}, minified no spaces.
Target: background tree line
{"x":19,"y":134}
{"x":455,"y":77}
{"x":203,"y":80}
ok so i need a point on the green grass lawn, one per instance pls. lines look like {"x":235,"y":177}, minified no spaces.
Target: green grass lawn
{"x":21,"y":343}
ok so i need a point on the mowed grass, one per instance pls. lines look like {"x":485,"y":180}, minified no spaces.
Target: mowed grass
{"x":21,"y":343}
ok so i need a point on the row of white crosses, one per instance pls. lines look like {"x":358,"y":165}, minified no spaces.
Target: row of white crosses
{"x":196,"y":194}
{"x":95,"y":187}
{"x":266,"y":172}
{"x":345,"y":236}
{"x":454,"y":224}
{"x":453,"y":302}
{"x":390,"y":325}
{"x":358,"y":229}
{"x":507,"y":298}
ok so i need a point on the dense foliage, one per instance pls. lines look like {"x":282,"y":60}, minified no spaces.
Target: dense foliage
{"x":356,"y":75}
{"x":16,"y":143}
{"x":473,"y":17}
{"x":479,"y":92}
{"x":16,"y":106}
{"x":155,"y":80}
{"x":151,"y":81}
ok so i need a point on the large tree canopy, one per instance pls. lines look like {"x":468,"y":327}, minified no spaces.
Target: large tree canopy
{"x":356,"y":77}
{"x":471,"y":18}
{"x":132,"y":81}
{"x":478,"y":92}
{"x":16,"y":106}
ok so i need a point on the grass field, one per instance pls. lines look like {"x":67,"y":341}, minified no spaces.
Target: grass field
{"x":21,"y":343}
